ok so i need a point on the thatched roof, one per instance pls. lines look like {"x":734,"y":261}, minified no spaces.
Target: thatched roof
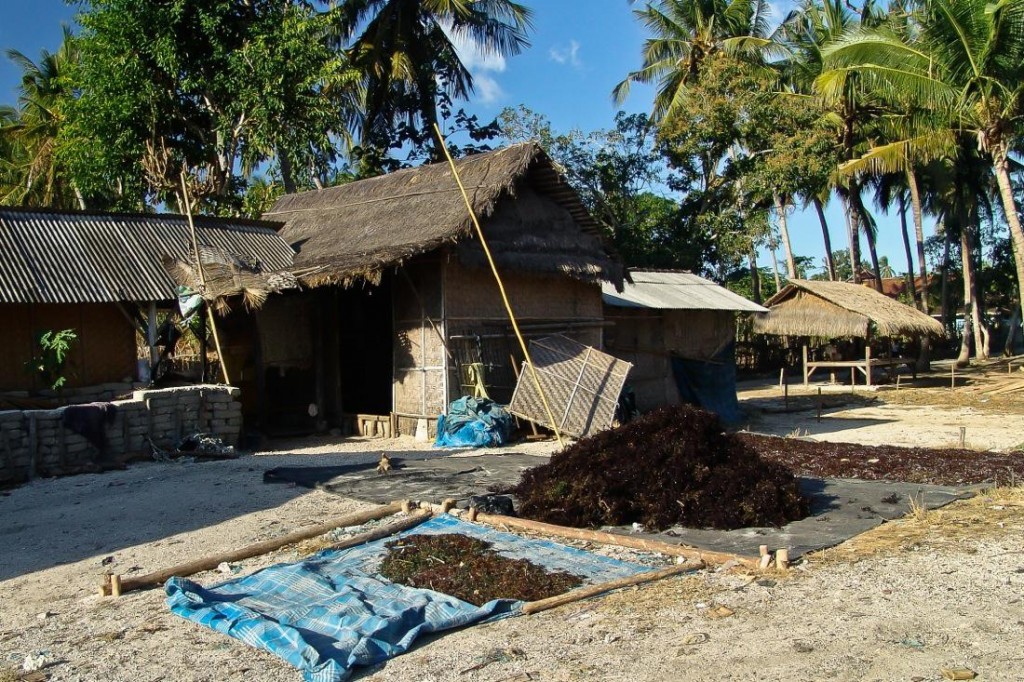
{"x":840,"y":309}
{"x":356,"y":230}
{"x":226,"y":275}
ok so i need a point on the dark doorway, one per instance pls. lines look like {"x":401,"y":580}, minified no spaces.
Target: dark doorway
{"x":365,"y":347}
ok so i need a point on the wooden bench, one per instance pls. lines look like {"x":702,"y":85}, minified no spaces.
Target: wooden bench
{"x":865,"y":366}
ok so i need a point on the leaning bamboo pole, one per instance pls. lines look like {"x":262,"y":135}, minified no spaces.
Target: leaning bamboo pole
{"x":118,"y":585}
{"x":202,"y":277}
{"x":501,"y":287}
{"x":601,"y":588}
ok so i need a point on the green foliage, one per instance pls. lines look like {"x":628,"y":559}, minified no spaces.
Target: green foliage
{"x":215,"y":87}
{"x":51,"y":359}
{"x":620,"y":176}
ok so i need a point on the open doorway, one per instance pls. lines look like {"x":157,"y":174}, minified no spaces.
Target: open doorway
{"x":365,"y":346}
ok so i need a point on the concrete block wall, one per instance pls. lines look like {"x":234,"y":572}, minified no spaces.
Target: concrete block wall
{"x":36,"y":443}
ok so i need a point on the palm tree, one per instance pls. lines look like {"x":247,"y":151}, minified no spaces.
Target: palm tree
{"x":806,"y":32}
{"x":963,"y":63}
{"x":684,"y":34}
{"x":406,"y":53}
{"x":44,"y":91}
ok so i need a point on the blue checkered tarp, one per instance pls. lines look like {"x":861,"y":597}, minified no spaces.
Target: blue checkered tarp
{"x":333,"y":611}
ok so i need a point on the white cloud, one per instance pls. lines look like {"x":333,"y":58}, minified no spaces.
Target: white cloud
{"x":566,"y":55}
{"x":481,"y":64}
{"x":487,"y":88}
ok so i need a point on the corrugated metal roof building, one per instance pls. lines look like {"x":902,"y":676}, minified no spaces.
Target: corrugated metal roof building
{"x":85,"y":257}
{"x":667,"y":321}
{"x":77,"y":270}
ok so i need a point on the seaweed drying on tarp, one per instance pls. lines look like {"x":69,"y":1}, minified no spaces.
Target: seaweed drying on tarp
{"x":468,"y":569}
{"x":673,"y":466}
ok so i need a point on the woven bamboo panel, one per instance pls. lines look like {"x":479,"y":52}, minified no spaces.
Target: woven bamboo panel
{"x":582,"y":386}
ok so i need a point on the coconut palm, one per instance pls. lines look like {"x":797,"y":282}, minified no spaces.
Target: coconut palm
{"x":964,"y":64}
{"x":684,"y":34}
{"x":43,"y":92}
{"x":406,"y":52}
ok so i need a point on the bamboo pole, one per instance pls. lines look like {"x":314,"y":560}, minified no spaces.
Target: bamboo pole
{"x":202,"y":277}
{"x":501,"y":287}
{"x":214,"y":560}
{"x":594,"y":590}
{"x":601,"y":537}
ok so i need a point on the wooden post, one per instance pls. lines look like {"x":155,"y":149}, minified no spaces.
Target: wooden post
{"x":952,"y":375}
{"x":806,"y":376}
{"x":867,"y":362}
{"x":819,"y":404}
{"x":963,"y":437}
{"x":154,"y":354}
{"x":782,"y":559}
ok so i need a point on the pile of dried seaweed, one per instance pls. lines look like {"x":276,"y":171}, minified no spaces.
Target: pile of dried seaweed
{"x":673,"y":466}
{"x":469,"y":570}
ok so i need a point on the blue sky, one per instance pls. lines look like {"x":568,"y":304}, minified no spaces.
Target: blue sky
{"x":579,"y":51}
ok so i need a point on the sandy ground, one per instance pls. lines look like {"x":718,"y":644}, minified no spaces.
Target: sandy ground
{"x":900,"y":607}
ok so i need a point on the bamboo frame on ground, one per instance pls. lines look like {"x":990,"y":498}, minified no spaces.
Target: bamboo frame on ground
{"x":597,"y":536}
{"x":116,"y":585}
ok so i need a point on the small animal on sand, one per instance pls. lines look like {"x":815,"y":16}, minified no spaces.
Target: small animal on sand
{"x":384,"y":465}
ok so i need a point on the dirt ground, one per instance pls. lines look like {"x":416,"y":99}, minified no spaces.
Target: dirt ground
{"x":940,"y":590}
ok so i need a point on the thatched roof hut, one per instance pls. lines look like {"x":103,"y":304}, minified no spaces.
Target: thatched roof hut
{"x":840,"y":309}
{"x":357,"y":230}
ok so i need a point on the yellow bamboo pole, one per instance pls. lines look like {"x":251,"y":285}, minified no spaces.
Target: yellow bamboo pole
{"x":202,"y":277}
{"x":501,"y":287}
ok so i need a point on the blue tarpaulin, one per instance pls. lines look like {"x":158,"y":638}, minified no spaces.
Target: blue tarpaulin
{"x":333,"y":611}
{"x":473,"y":422}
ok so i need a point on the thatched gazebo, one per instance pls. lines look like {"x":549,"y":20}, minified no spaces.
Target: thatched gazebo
{"x":834,"y":310}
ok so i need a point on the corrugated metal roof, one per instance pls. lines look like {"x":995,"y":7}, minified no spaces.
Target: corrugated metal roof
{"x":85,"y":257}
{"x":663,"y":290}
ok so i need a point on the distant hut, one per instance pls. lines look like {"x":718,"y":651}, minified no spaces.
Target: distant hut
{"x":103,"y":276}
{"x":679,"y":331}
{"x":405,"y":315}
{"x":835,"y":310}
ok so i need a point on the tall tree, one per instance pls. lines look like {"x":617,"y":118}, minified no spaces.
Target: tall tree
{"x":964,"y":62}
{"x":37,"y":176}
{"x":685,"y":33}
{"x":215,"y":87}
{"x":406,"y":53}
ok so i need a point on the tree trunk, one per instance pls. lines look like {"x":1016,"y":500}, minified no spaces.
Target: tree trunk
{"x":775,"y":267}
{"x":780,"y":209}
{"x":978,"y":324}
{"x":79,"y":196}
{"x":964,"y":358}
{"x":853,"y":234}
{"x":916,"y":211}
{"x":830,"y":266}
{"x":873,"y":252}
{"x":911,"y":288}
{"x":1012,"y":220}
{"x":287,"y":172}
{"x":755,"y":276}
{"x":946,"y":248}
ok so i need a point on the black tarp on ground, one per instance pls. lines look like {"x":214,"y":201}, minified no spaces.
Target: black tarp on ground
{"x":840,"y":508}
